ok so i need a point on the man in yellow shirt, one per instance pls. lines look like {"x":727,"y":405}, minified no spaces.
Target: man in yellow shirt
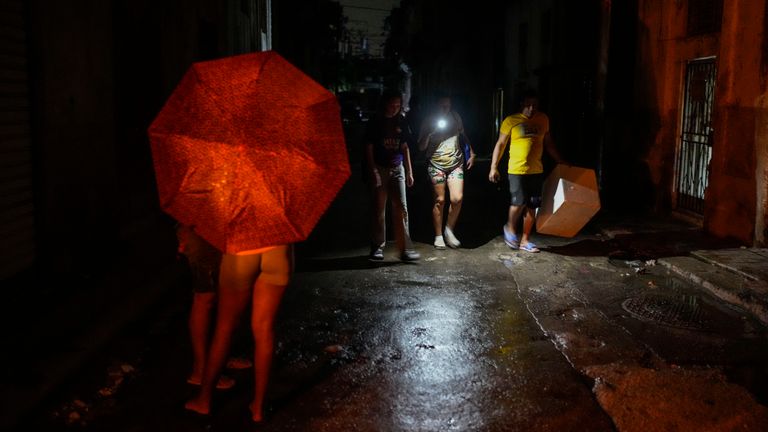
{"x":528,"y":135}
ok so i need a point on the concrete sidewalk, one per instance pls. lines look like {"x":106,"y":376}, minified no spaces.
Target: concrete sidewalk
{"x":736,"y":275}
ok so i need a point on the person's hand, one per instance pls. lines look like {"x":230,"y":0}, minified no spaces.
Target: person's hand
{"x":494,"y":175}
{"x":471,"y":161}
{"x":376,"y":177}
{"x":409,"y":179}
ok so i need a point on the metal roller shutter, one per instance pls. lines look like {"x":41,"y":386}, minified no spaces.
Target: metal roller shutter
{"x":17,"y":230}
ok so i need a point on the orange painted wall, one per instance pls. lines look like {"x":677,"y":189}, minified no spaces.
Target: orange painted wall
{"x":735,"y":199}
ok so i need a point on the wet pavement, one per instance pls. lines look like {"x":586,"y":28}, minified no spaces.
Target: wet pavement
{"x":605,"y":331}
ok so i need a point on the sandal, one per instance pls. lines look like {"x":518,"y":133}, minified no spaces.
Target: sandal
{"x":238,"y":363}
{"x":224,"y":382}
{"x":530,"y":247}
{"x":196,"y":415}
{"x":510,"y":239}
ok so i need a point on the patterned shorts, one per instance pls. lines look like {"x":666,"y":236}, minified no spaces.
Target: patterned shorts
{"x":439,"y":176}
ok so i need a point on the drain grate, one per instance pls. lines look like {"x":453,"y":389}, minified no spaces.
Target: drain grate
{"x":681,"y":311}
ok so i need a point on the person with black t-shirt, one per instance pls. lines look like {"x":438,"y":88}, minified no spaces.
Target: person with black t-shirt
{"x":389,"y":171}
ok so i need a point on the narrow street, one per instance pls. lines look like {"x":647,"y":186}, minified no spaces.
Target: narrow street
{"x":124,"y":124}
{"x":476,"y":339}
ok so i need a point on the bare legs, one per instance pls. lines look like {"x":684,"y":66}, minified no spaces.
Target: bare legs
{"x":199,"y":325}
{"x":233,"y":299}
{"x":438,"y":196}
{"x":276,"y":270}
{"x":529,"y":217}
{"x":266,"y":299}
{"x":261,"y":280}
{"x":456,"y":192}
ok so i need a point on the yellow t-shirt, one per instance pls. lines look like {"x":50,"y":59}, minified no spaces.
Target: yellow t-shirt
{"x":526,"y":142}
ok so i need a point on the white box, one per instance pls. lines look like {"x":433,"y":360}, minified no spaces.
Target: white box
{"x":569,"y":200}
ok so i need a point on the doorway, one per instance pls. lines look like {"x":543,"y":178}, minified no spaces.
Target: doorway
{"x":695,"y":145}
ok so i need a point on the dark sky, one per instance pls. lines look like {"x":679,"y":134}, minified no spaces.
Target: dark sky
{"x":366,"y":19}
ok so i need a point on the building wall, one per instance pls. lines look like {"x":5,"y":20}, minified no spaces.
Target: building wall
{"x":17,"y":209}
{"x":733,"y":196}
{"x":761,"y":171}
{"x":99,"y":73}
{"x":664,"y":51}
{"x":553,"y":46}
{"x":735,"y":185}
{"x":72,"y":83}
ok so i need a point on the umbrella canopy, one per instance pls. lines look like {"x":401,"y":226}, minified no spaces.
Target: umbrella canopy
{"x":250,"y":151}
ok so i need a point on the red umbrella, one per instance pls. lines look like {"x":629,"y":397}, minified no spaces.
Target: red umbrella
{"x":250,"y":151}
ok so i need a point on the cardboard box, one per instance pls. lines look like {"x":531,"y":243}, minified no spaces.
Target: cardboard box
{"x":569,"y":200}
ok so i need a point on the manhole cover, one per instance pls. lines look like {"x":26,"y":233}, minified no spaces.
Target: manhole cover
{"x":681,"y":311}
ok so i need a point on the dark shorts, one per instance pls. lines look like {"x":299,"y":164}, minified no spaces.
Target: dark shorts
{"x":525,"y":189}
{"x":205,"y":276}
{"x":203,"y":258}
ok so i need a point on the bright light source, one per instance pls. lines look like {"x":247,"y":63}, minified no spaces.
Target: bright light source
{"x":441,"y":124}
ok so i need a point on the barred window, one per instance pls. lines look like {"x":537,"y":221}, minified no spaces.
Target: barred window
{"x":704,"y":16}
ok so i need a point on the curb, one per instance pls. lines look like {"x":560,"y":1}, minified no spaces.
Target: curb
{"x":732,"y":287}
{"x":750,"y":263}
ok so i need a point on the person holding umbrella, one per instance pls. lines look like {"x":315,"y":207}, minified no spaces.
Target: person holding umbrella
{"x":388,"y":162}
{"x":258,"y":277}
{"x":224,"y":164}
{"x":203,"y":261}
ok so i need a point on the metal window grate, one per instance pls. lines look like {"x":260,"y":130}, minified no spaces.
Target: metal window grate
{"x":695,"y":151}
{"x":253,"y":26}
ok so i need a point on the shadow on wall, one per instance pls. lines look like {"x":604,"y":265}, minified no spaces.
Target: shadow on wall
{"x":632,"y":122}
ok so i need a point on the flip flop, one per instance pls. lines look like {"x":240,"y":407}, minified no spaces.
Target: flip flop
{"x":238,"y":363}
{"x":197,"y":416}
{"x":224,"y":382}
{"x":530,"y":247}
{"x":510,"y":239}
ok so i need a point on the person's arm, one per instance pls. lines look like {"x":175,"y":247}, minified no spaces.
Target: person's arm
{"x":407,"y":164}
{"x":425,"y":134}
{"x":549,"y":145}
{"x":409,"y":135}
{"x":183,"y":232}
{"x":472,"y":154}
{"x":372,"y":171}
{"x":463,"y":135}
{"x":498,"y":150}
